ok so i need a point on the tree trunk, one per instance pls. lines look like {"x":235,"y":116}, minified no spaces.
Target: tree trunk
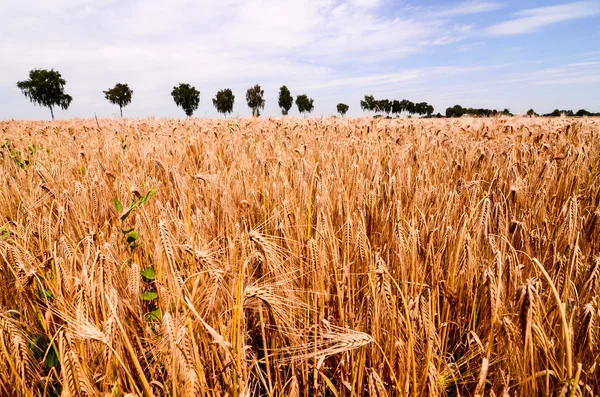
{"x":52,"y":113}
{"x":121,"y":109}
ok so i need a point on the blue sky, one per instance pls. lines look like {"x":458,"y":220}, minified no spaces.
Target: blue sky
{"x":505,"y":54}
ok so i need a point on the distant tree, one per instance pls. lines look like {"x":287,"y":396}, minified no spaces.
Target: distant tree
{"x":455,"y":111}
{"x":46,"y":88}
{"x":223,"y":101}
{"x":422,"y":108}
{"x":186,"y":97}
{"x":285,"y":100}
{"x":119,"y":95}
{"x":409,"y":106}
{"x":583,"y":112}
{"x":507,"y":112}
{"x":555,"y":113}
{"x":429,"y":109}
{"x":396,"y":107}
{"x":368,"y":104}
{"x":384,"y":105}
{"x":255,"y":99}
{"x":342,"y":108}
{"x":304,"y":103}
{"x":531,"y":113}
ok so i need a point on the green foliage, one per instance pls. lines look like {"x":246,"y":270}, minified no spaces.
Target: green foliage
{"x":135,"y":204}
{"x":46,"y":88}
{"x":4,"y":232}
{"x":383,"y":105}
{"x":149,"y":296}
{"x":154,"y":315}
{"x":583,"y":112}
{"x":255,"y":99}
{"x":368,"y":103}
{"x":223,"y":101}
{"x":304,"y":103}
{"x":14,"y":154}
{"x":531,"y":113}
{"x":342,"y":109}
{"x":41,"y":347}
{"x":458,"y":111}
{"x":186,"y":97}
{"x":119,"y":95}
{"x":285,"y":100}
{"x":148,"y":274}
{"x":423,"y":108}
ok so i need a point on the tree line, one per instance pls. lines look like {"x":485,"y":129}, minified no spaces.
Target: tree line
{"x":395,"y":106}
{"x":558,"y":113}
{"x":46,"y":88}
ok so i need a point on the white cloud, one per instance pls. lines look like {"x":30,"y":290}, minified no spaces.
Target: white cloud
{"x":334,"y":50}
{"x":153,"y":45}
{"x":469,"y":8}
{"x":532,"y":20}
{"x":470,"y":47}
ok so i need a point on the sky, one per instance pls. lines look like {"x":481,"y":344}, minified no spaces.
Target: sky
{"x":506,"y":54}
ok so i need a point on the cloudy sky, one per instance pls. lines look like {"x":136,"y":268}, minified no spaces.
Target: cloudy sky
{"x":514,"y":54}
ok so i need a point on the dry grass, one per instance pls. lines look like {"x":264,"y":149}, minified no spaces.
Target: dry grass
{"x":300,"y":257}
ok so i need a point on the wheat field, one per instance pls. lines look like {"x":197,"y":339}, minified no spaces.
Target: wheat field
{"x":290,"y":257}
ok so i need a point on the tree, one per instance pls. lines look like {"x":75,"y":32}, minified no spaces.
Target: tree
{"x":304,"y":103}
{"x":531,"y":113}
{"x":254,"y":97}
{"x":429,"y":110}
{"x":285,"y":100}
{"x":119,"y":95}
{"x":186,"y":97}
{"x":223,"y":101}
{"x":397,"y":107}
{"x":384,"y":105}
{"x":583,"y":112}
{"x":342,"y":108}
{"x":409,"y":106}
{"x":368,"y":103}
{"x":46,"y":88}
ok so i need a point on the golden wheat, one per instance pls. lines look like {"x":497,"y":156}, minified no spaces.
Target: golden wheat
{"x":331,"y":257}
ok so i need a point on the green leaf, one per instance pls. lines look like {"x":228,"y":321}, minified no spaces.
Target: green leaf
{"x":148,"y":273}
{"x":154,"y":315}
{"x":118,"y":205}
{"x":132,"y":237}
{"x":149,"y":296}
{"x":46,"y":294}
{"x":148,"y":196}
{"x":52,"y":358}
{"x":38,"y":345}
{"x":128,"y":230}
{"x":126,"y":214}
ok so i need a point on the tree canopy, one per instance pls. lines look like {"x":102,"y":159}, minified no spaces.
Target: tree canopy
{"x":458,"y":111}
{"x":255,"y":98}
{"x":223,"y":101}
{"x":368,"y":103}
{"x":395,"y":106}
{"x":186,"y":97}
{"x":342,"y":108}
{"x":119,"y":95}
{"x":285,"y":100}
{"x":46,"y":88}
{"x":304,"y":103}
